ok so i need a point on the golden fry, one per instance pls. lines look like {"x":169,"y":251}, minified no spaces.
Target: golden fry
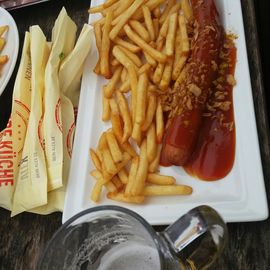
{"x":114,"y":147}
{"x":149,"y":22}
{"x":160,"y":57}
{"x":145,"y":68}
{"x":105,"y":47}
{"x":141,"y":98}
{"x":156,"y":190}
{"x":133,"y":80}
{"x":124,"y":75}
{"x":96,"y":9}
{"x":109,"y":3}
{"x":122,"y":198}
{"x":125,"y":113}
{"x":159,"y":122}
{"x":151,"y":4}
{"x":158,"y":179}
{"x":95,"y":159}
{"x":123,"y":43}
{"x":156,"y":27}
{"x":151,"y":143}
{"x":3,"y":59}
{"x":158,"y":73}
{"x":140,"y":30}
{"x":115,"y":62}
{"x":118,"y":184}
{"x":124,"y":5}
{"x":179,"y":67}
{"x":166,"y":11}
{"x":125,"y":87}
{"x":102,"y":143}
{"x":108,"y":161}
{"x":184,"y":35}
{"x":137,"y":133}
{"x":132,"y":56}
{"x":110,"y":87}
{"x":166,"y":76}
{"x":3,"y":29}
{"x":120,"y":55}
{"x":141,"y":175}
{"x":132,"y":175}
{"x":163,"y":30}
{"x":125,"y":17}
{"x":157,"y":12}
{"x":153,"y":167}
{"x":116,"y":120}
{"x":150,"y":112}
{"x":111,"y":187}
{"x":177,"y":50}
{"x":170,"y":39}
{"x":2,"y":43}
{"x":150,"y":60}
{"x":96,"y":191}
{"x":187,"y":9}
{"x":96,"y":174}
{"x":98,"y":36}
{"x":122,"y":174}
{"x":129,"y":149}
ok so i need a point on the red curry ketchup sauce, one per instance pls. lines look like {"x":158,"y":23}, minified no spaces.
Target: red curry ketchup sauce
{"x":213,"y":156}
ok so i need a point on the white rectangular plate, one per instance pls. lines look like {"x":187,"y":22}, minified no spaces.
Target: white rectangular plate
{"x":238,"y":197}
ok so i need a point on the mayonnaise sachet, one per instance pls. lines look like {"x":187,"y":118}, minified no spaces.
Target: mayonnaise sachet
{"x":31,"y":186}
{"x":13,"y":136}
{"x":63,"y":40}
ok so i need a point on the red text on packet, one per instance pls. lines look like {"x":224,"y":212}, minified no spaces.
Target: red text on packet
{"x":6,"y":157}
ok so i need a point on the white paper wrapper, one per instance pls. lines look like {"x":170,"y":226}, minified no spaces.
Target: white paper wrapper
{"x":63,"y":40}
{"x":31,"y":187}
{"x":13,"y":136}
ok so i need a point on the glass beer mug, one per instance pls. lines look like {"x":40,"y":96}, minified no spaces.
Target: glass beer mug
{"x":115,"y":238}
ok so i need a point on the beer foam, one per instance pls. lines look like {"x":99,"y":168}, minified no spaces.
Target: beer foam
{"x":132,"y":256}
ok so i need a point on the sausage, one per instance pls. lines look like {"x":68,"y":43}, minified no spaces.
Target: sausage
{"x":191,"y":95}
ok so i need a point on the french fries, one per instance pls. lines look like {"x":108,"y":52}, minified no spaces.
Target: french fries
{"x":151,"y":143}
{"x":141,"y":174}
{"x":95,"y":159}
{"x":3,"y":58}
{"x":141,"y":98}
{"x":116,"y":120}
{"x":140,"y":30}
{"x":170,"y":39}
{"x":105,"y":47}
{"x":106,"y":111}
{"x":110,"y":87}
{"x":157,"y":190}
{"x":149,"y":22}
{"x":125,"y":44}
{"x":124,"y":18}
{"x":150,"y":112}
{"x":160,"y":57}
{"x":159,"y":122}
{"x":125,"y":113}
{"x":143,"y":50}
{"x":113,"y":146}
{"x":158,"y":179}
{"x":122,"y":198}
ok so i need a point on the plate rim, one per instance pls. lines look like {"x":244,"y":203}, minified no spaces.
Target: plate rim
{"x":14,"y":57}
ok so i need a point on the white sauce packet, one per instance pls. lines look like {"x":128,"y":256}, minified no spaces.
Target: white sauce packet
{"x":31,"y":187}
{"x":13,"y":136}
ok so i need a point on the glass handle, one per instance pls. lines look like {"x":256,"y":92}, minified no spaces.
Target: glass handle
{"x":204,"y":231}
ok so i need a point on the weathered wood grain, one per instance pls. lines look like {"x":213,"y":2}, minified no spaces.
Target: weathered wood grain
{"x":23,"y":238}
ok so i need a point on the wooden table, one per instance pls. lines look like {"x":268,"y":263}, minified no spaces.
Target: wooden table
{"x":22,"y":238}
